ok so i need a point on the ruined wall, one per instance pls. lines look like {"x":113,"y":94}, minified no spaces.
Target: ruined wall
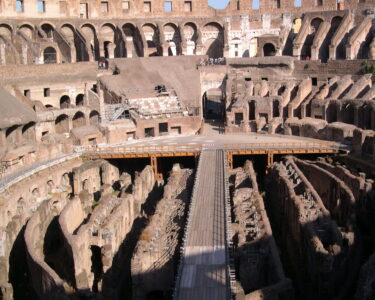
{"x":257,"y":260}
{"x":156,"y":255}
{"x":20,"y":201}
{"x":46,"y":282}
{"x":311,"y":238}
{"x":335,"y":194}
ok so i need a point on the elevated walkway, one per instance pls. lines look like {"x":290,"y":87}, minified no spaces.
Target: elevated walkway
{"x":204,"y":267}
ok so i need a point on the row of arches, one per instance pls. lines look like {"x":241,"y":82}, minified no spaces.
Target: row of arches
{"x":63,"y":124}
{"x":361,"y":115}
{"x":89,"y":42}
{"x":19,"y":134}
{"x":66,"y":102}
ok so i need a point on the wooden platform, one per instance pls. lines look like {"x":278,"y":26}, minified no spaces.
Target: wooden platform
{"x":204,"y":269}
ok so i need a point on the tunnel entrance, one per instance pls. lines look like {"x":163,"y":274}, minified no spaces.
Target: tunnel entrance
{"x":213,"y":105}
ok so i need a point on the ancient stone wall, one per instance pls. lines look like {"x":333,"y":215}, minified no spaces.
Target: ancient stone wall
{"x":312,"y":238}
{"x":156,"y":256}
{"x":257,"y":260}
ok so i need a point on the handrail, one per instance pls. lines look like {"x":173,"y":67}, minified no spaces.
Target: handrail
{"x":87,"y":150}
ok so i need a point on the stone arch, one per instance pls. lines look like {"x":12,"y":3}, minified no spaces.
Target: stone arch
{"x":62,"y":124}
{"x":151,"y":34}
{"x":133,"y":40}
{"x":80,"y":100}
{"x":94,"y":117}
{"x":28,"y":132}
{"x":11,"y":134}
{"x":190,"y":30}
{"x":89,"y":32}
{"x":269,"y":49}
{"x":110,"y":41}
{"x":69,"y":31}
{"x":213,"y":39}
{"x":27,"y":30}
{"x":65,"y":101}
{"x":107,"y":32}
{"x":172,"y":36}
{"x":48,"y":29}
{"x":314,"y":27}
{"x":79,"y":119}
{"x":324,"y":49}
{"x":49,"y":55}
{"x":6,"y":31}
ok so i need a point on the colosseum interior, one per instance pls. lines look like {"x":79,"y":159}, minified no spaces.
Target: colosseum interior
{"x":113,"y":111}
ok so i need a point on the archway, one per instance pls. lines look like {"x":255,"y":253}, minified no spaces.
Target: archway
{"x":269,"y":50}
{"x":79,"y":119}
{"x":11,"y":134}
{"x":48,"y":30}
{"x":90,"y":35}
{"x":27,"y":31}
{"x":133,"y":40}
{"x":65,"y":101}
{"x":80,"y":99}
{"x":172,"y":36}
{"x":314,"y":27}
{"x":214,"y":44}
{"x":213,"y":104}
{"x":28,"y":132}
{"x":62,"y":124}
{"x":50,"y":55}
{"x":94,"y":118}
{"x":191,"y":37}
{"x":152,"y":39}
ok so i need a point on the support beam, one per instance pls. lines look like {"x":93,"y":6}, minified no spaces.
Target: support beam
{"x":269,"y":158}
{"x":230,"y":160}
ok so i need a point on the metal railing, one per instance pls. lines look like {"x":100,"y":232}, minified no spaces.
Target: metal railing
{"x":87,"y":150}
{"x":23,"y":173}
{"x":231,"y":273}
{"x":193,"y":201}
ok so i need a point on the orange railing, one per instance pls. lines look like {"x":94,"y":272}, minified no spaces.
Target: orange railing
{"x":197,"y":148}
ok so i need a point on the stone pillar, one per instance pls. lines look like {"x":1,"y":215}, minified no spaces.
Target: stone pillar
{"x":129,"y":44}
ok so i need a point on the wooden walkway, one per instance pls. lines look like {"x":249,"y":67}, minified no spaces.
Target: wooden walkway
{"x":204,"y":274}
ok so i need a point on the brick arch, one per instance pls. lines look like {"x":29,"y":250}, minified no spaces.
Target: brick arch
{"x":171,"y":23}
{"x":68,"y":24}
{"x":48,"y":23}
{"x":89,"y":24}
{"x":8,"y":26}
{"x":58,"y":59}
